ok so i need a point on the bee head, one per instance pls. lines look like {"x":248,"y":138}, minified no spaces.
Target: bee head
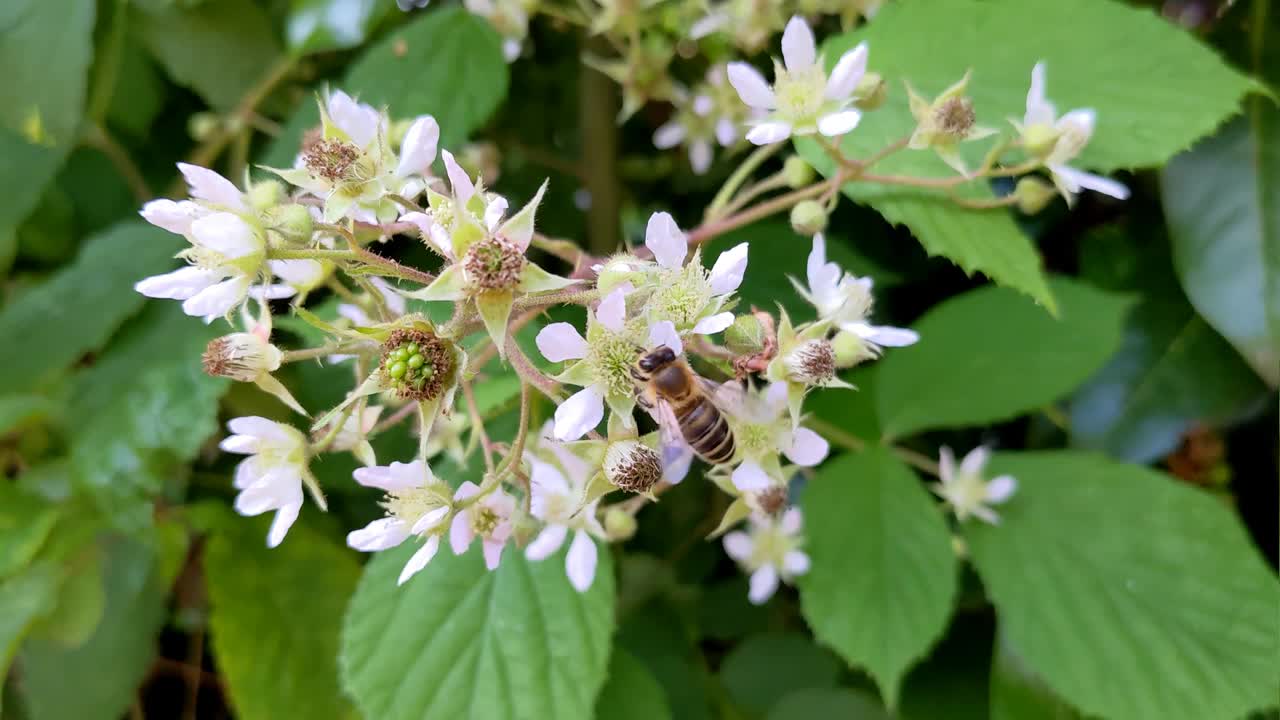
{"x":657,"y":358}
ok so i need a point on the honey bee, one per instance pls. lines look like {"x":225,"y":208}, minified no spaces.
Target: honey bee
{"x":683,"y":403}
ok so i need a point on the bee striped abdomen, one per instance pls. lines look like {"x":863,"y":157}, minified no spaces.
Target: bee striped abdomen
{"x":706,"y":431}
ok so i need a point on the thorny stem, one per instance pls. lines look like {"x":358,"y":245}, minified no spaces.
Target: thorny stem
{"x":395,"y":419}
{"x":716,"y":228}
{"x":291,"y":356}
{"x":773,"y":182}
{"x":477,"y":422}
{"x":530,"y":374}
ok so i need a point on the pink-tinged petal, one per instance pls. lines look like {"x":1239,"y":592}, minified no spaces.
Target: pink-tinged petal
{"x":839,"y":123}
{"x":580,"y":563}
{"x":429,"y":520}
{"x":726,"y":274}
{"x":726,"y":132}
{"x":975,"y":461}
{"x":1001,"y":488}
{"x":768,"y":133}
{"x":738,"y":545}
{"x":419,"y":559}
{"x":668,"y":135}
{"x":547,"y":542}
{"x":713,"y":324}
{"x":492,"y":553}
{"x":775,"y":398}
{"x":1077,"y":179}
{"x":795,"y":563}
{"x":176,"y":217}
{"x":466,"y":491}
{"x":247,"y":473}
{"x":664,"y":333}
{"x":808,"y":448}
{"x":700,"y":156}
{"x":561,"y":341}
{"x":494,"y":212}
{"x":217,"y":300}
{"x":663,"y":238}
{"x":847,"y":73}
{"x":792,"y":521}
{"x":547,"y":483}
{"x":380,"y":534}
{"x":612,"y":310}
{"x":751,"y":86}
{"x":946,"y":465}
{"x":460,"y":533}
{"x":284,"y":520}
{"x":582,"y":412}
{"x":260,"y":427}
{"x":211,"y":187}
{"x":418,"y":149}
{"x":750,"y":477}
{"x":1039,"y":110}
{"x":180,"y":284}
{"x":462,"y":186}
{"x":226,"y":234}
{"x":764,"y":583}
{"x":798,"y":47}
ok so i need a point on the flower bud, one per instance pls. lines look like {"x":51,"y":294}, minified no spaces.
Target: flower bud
{"x":808,"y":217}
{"x":615,"y":271}
{"x":264,"y":194}
{"x":746,"y":336}
{"x":292,"y":221}
{"x":202,"y":125}
{"x":871,"y":92}
{"x":632,"y":466}
{"x":240,"y":356}
{"x":619,"y":525}
{"x":797,"y":172}
{"x":1033,"y":194}
{"x":850,"y":349}
{"x":1039,"y":140}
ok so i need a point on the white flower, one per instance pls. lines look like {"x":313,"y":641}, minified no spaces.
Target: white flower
{"x":418,"y":148}
{"x":770,"y":552}
{"x":417,"y":504}
{"x":965,"y":490}
{"x":763,"y":429}
{"x":803,"y":99}
{"x":249,"y":357}
{"x":352,"y":437}
{"x":555,"y":501}
{"x":710,"y":114}
{"x":488,"y":518}
{"x":687,"y":294}
{"x":271,"y":478}
{"x":1058,"y":140}
{"x":845,"y":300}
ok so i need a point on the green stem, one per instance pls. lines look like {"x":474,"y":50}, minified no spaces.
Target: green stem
{"x":739,"y":176}
{"x":713,"y":229}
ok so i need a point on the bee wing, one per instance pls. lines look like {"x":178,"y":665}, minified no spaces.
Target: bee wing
{"x":676,"y":453}
{"x":730,"y":397}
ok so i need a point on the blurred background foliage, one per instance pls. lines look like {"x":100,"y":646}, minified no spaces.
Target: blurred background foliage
{"x":128,"y":588}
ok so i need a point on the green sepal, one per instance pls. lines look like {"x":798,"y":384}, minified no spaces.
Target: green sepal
{"x":495,"y":310}
{"x":449,"y":285}
{"x":534,"y":279}
{"x":576,"y":373}
{"x":518,"y":228}
{"x":737,"y":511}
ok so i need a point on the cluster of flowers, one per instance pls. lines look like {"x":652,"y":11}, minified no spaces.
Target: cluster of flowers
{"x":360,"y":178}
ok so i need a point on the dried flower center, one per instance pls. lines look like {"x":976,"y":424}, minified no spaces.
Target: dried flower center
{"x":240,"y":356}
{"x":955,"y":117}
{"x":813,"y":362}
{"x":332,"y":160}
{"x":493,"y":264}
{"x":773,"y":500}
{"x":416,"y":364}
{"x":637,"y":469}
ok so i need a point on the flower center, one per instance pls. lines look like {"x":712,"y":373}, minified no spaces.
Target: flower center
{"x":332,"y":160}
{"x":484,"y":520}
{"x":773,"y":500}
{"x":610,"y":356}
{"x":755,"y":439}
{"x":800,"y":94}
{"x":416,"y":364}
{"x":682,"y":294}
{"x":633,"y":467}
{"x":493,"y":264}
{"x":411,"y":504}
{"x":813,"y":362}
{"x":955,"y":117}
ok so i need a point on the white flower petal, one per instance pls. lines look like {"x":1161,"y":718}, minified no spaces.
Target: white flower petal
{"x":792,"y":521}
{"x":548,"y":484}
{"x":1001,"y":488}
{"x":664,"y":333}
{"x":713,"y":324}
{"x":738,"y":545}
{"x":303,"y":273}
{"x":612,"y":310}
{"x":1080,"y":179}
{"x":497,"y":207}
{"x":180,"y":284}
{"x":492,"y":550}
{"x":429,"y":520}
{"x":798,"y":47}
{"x":946,"y":465}
{"x":764,"y":583}
{"x":547,"y":542}
{"x":795,"y":563}
{"x":359,"y":121}
{"x":726,"y":274}
{"x":460,"y":533}
{"x":707,"y":25}
{"x":750,"y":477}
{"x":808,"y":448}
{"x":462,"y":186}
{"x":582,"y":412}
{"x":419,"y":559}
{"x":700,"y":156}
{"x":726,"y":131}
{"x":847,"y":73}
{"x":580,"y":563}
{"x":380,"y":534}
{"x":217,"y":300}
{"x":284,"y":520}
{"x":1081,"y":121}
{"x":839,"y":123}
{"x":668,"y":135}
{"x":1039,"y":110}
{"x":226,"y":234}
{"x":466,"y":491}
{"x":211,"y":187}
{"x":975,"y":461}
{"x":561,"y":341}
{"x":663,"y":238}
{"x":418,"y":149}
{"x":176,"y":217}
{"x":751,"y":86}
{"x":768,"y":133}
{"x":883,"y":335}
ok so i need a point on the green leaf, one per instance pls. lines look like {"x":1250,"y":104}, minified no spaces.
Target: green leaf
{"x":467,"y":81}
{"x":1017,"y":693}
{"x":988,"y":355}
{"x":631,"y":692}
{"x":106,"y":670}
{"x":1172,"y":370}
{"x":932,"y":44}
{"x":25,"y":523}
{"x":763,"y":668}
{"x":25,"y":170}
{"x":142,"y":414}
{"x":320,"y":25}
{"x":45,"y":49}
{"x":81,"y":601}
{"x":883,"y":574}
{"x":1222,"y":201}
{"x":24,"y":598}
{"x":79,"y":308}
{"x":459,"y":641}
{"x":828,"y":703}
{"x":275,"y":618}
{"x":218,"y":49}
{"x":1130,"y":594}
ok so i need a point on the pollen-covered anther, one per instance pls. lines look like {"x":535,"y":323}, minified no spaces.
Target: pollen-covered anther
{"x":632,"y":467}
{"x":332,"y":160}
{"x":417,"y":364}
{"x":494,"y":264}
{"x":955,"y":117}
{"x":772,"y":500}
{"x":240,"y":356}
{"x":812,"y":362}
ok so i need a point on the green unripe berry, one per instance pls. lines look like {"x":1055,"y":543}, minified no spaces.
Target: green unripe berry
{"x":808,"y":217}
{"x":797,"y":172}
{"x":411,"y":349}
{"x":415,"y":361}
{"x":397,"y":370}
